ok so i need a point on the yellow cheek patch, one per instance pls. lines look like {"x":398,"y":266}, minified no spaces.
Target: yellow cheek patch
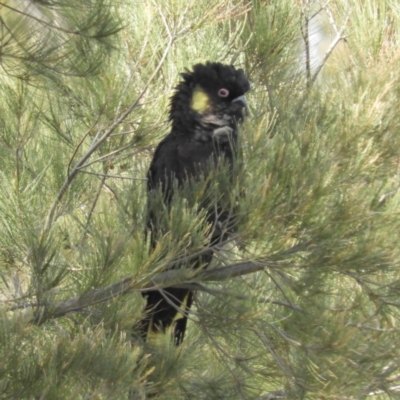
{"x":200,"y":100}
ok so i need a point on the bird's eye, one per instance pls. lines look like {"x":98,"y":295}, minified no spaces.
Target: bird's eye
{"x":223,"y":92}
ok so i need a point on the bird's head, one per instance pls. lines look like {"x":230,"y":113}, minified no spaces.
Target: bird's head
{"x":209,"y":97}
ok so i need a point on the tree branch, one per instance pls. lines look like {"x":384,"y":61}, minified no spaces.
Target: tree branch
{"x":171,"y":278}
{"x":339,"y":36}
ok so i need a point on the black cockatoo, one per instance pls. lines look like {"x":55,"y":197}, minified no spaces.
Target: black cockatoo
{"x":205,"y":111}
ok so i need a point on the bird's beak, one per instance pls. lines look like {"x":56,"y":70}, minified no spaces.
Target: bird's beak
{"x":242,"y":99}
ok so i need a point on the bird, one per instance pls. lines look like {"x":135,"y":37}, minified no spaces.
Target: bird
{"x":206,"y":108}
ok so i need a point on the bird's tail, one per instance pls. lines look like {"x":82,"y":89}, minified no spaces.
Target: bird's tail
{"x":166,"y":308}
{"x":170,"y":307}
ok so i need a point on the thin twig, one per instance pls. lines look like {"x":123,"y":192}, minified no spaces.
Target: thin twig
{"x":114,"y":155}
{"x":267,"y":343}
{"x":114,"y":176}
{"x":91,"y":211}
{"x":372,"y":328}
{"x":80,"y":143}
{"x":306,"y":37}
{"x":52,"y":26}
{"x":96,"y":143}
{"x":339,"y":37}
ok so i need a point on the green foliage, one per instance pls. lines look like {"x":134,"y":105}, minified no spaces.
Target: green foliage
{"x":83,"y":101}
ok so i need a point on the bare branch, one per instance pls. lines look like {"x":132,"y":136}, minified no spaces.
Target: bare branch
{"x":319,"y":10}
{"x":306,"y":37}
{"x":339,"y":37}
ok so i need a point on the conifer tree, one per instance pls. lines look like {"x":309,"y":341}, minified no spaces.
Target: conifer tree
{"x":301,"y":303}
